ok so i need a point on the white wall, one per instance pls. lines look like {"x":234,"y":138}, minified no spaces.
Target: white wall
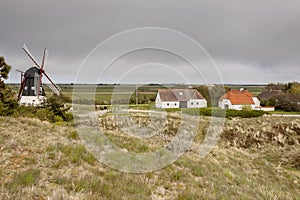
{"x":32,"y":100}
{"x":256,"y":101}
{"x":265,"y":108}
{"x":171,"y":104}
{"x":197,"y":103}
{"x":157,"y":101}
{"x":268,"y":108}
{"x":225,"y":102}
{"x":160,"y":104}
{"x":238,"y":107}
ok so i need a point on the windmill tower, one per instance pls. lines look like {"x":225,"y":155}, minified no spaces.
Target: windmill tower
{"x":31,"y":92}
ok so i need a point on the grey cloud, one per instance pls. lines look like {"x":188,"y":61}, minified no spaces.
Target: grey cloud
{"x":263,"y":37}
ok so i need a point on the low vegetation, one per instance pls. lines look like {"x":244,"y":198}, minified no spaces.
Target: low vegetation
{"x":54,"y":111}
{"x":255,"y":158}
{"x":217,"y":112}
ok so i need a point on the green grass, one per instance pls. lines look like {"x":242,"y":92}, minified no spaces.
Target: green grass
{"x":73,"y":135}
{"x":23,"y":179}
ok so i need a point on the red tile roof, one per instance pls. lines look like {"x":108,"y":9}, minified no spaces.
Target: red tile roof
{"x":238,"y":97}
{"x":179,"y":94}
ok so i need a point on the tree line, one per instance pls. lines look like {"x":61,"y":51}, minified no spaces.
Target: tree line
{"x":288,"y":100}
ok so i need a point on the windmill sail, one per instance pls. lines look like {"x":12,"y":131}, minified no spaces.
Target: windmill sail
{"x":30,"y":56}
{"x":36,"y":83}
{"x":55,"y":88}
{"x":31,"y":91}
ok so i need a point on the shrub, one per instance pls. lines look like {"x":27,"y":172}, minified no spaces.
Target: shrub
{"x":244,"y":113}
{"x":246,"y":108}
{"x":218,"y":112}
{"x":51,"y":113}
{"x":44,"y":114}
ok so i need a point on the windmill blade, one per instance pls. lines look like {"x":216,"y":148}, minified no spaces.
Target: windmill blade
{"x":20,"y":71}
{"x":54,"y":89}
{"x":52,"y":86}
{"x":21,"y":89}
{"x":30,"y":56}
{"x":45,"y":55}
{"x":40,"y":83}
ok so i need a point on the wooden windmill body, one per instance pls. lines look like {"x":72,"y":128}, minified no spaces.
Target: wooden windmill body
{"x":32,"y":92}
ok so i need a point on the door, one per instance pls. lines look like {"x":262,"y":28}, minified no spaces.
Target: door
{"x":226,"y":106}
{"x":182,"y":104}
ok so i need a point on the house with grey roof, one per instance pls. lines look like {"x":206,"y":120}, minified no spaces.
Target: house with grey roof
{"x":179,"y":98}
{"x":268,"y":94}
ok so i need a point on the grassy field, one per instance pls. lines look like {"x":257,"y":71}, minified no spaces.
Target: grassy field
{"x":254,"y":89}
{"x":254,"y":158}
{"x":103,"y":92}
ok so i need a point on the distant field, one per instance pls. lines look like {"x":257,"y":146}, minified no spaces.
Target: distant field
{"x":255,"y":89}
{"x":126,"y":93}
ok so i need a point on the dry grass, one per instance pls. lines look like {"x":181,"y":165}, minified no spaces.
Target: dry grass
{"x":254,"y":159}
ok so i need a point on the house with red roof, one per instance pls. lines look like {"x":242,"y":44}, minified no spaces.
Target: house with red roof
{"x":179,"y":98}
{"x":236,"y":99}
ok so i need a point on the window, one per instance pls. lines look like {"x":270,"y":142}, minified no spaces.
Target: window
{"x":197,"y":103}
{"x":175,"y":104}
{"x":192,"y":103}
{"x":167,"y":104}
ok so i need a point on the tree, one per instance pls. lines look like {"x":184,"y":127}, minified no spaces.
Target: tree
{"x":8,"y":102}
{"x":212,"y":94}
{"x":277,"y":86}
{"x":4,"y":69}
{"x":295,"y":88}
{"x":203,"y":89}
{"x":56,"y":105}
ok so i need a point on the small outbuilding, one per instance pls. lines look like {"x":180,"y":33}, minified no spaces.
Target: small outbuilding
{"x":179,"y":98}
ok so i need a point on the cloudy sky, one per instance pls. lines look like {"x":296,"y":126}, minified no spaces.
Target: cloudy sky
{"x":249,"y":41}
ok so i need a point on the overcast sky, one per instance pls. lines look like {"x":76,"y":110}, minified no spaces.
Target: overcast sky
{"x":250,"y":41}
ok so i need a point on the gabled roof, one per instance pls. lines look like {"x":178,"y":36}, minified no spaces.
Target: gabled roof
{"x":179,"y":94}
{"x":268,"y":94}
{"x":238,"y":97}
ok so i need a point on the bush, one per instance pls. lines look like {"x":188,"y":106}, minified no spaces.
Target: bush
{"x":218,"y":112}
{"x":244,"y":113}
{"x":52,"y":112}
{"x":44,"y":114}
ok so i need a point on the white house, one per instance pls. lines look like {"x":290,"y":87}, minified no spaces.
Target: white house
{"x":179,"y":98}
{"x":236,"y":99}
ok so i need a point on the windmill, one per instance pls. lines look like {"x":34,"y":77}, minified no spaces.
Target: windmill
{"x":31,"y":92}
